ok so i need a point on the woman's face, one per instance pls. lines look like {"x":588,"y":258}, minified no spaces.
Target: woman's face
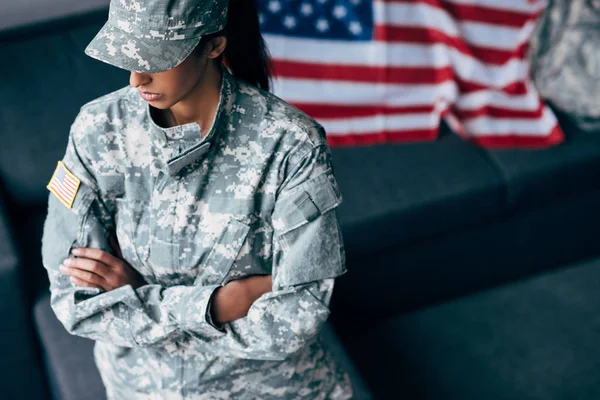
{"x":164,"y":89}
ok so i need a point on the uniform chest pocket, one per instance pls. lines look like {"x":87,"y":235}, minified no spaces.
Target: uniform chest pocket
{"x":219,"y":260}
{"x":182,"y":261}
{"x":133,"y":232}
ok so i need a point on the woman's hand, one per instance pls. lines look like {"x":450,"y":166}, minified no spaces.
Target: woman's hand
{"x":233,"y":300}
{"x":97,"y":268}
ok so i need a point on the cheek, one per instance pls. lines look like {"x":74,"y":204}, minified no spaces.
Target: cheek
{"x":177,"y":83}
{"x":181,"y":87}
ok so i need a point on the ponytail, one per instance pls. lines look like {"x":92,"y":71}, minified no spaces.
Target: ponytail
{"x":246,"y":54}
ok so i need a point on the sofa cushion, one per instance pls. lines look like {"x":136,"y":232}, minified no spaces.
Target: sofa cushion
{"x":20,"y":373}
{"x":535,"y":339}
{"x":396,"y":194}
{"x":405,"y":278}
{"x":68,"y":359}
{"x":45,"y":83}
{"x":537,"y":178}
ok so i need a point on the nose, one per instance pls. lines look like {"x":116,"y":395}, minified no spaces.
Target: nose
{"x":137,"y":79}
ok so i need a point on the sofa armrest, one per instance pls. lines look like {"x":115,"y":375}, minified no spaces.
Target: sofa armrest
{"x":20,"y":370}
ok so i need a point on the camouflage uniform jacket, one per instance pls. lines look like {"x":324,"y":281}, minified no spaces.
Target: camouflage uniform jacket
{"x":256,"y":195}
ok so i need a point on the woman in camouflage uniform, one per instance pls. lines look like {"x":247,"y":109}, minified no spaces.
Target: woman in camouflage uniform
{"x":192,"y":227}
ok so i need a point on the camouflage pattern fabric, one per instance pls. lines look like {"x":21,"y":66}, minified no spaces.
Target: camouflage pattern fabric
{"x":565,"y":55}
{"x":155,"y":36}
{"x":256,"y":195}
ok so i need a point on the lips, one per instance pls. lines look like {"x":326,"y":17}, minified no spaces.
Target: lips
{"x":149,"y":96}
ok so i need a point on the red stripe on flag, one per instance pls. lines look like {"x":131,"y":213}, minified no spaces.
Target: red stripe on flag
{"x":361,"y":73}
{"x":382,"y":137}
{"x":519,"y":141}
{"x":492,"y":141}
{"x":333,"y":111}
{"x":60,"y":193}
{"x":497,"y":112}
{"x":60,"y":188}
{"x":70,"y":184}
{"x":515,"y":88}
{"x":396,"y":34}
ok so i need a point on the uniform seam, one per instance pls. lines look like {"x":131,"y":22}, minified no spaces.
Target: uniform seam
{"x":293,"y":166}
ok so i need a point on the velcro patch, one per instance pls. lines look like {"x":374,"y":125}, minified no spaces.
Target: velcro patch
{"x":64,"y":185}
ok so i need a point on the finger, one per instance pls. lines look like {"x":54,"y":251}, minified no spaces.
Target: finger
{"x":83,"y":275}
{"x":98,"y":255}
{"x":92,"y":266}
{"x":80,"y":282}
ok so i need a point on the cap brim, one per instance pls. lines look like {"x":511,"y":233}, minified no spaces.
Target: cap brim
{"x":125,"y":50}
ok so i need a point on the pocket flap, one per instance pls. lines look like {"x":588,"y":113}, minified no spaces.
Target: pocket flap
{"x":306,"y":202}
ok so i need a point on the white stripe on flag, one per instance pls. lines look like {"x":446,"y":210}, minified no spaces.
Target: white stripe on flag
{"x":357,"y":53}
{"x":357,"y":93}
{"x":70,"y":183}
{"x":474,"y":100}
{"x":59,"y":188}
{"x":380,"y":123}
{"x":488,"y":126}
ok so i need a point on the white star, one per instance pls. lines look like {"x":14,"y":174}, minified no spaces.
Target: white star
{"x":306,"y":9}
{"x":339,"y":12}
{"x":274,"y":6}
{"x":322,"y":25}
{"x":289,"y":21}
{"x":355,"y":27}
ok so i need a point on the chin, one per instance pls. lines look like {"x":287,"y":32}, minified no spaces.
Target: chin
{"x":160,"y":104}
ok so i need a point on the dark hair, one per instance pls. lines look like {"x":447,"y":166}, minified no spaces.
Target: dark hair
{"x":246,"y":54}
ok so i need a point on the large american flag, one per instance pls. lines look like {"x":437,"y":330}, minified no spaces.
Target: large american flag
{"x":389,"y":70}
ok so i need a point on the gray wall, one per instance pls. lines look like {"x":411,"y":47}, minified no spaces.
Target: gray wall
{"x":14,"y":13}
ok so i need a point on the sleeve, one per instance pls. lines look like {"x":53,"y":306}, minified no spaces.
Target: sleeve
{"x":122,"y":316}
{"x":308,"y":253}
{"x":86,"y":312}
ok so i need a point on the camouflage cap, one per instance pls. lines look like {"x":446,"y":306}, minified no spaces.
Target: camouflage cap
{"x":155,"y":35}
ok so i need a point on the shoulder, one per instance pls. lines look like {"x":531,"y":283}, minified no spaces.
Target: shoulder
{"x":97,"y":131}
{"x":111,"y":108}
{"x":125,"y":95}
{"x":106,"y":114}
{"x":292,"y":128}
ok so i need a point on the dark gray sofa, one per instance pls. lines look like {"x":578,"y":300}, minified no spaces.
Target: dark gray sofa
{"x":423,"y":224}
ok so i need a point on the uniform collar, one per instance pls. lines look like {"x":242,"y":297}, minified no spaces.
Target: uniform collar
{"x":181,"y":145}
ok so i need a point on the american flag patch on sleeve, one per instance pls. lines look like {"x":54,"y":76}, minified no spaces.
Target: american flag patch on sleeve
{"x":64,"y":185}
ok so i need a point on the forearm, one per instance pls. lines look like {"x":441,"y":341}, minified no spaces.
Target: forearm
{"x":278,"y":324}
{"x":149,"y":316}
{"x":233,"y":300}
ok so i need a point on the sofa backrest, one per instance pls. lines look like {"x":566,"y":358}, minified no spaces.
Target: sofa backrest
{"x":45,"y":78}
